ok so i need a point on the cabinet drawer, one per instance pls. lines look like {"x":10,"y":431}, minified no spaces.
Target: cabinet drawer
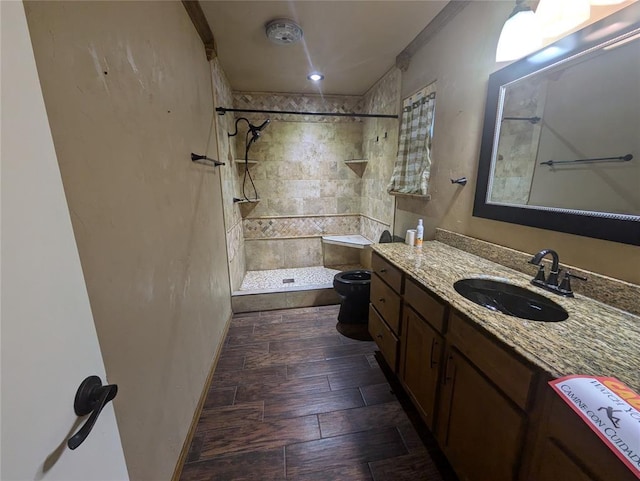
{"x":385,"y":339}
{"x":387,"y":271}
{"x":425,"y":304}
{"x":386,"y":301}
{"x":509,"y":374}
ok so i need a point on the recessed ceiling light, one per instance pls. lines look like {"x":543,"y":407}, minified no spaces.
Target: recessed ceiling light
{"x":316,"y":77}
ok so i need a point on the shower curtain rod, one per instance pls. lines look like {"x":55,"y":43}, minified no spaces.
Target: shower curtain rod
{"x":224,"y":110}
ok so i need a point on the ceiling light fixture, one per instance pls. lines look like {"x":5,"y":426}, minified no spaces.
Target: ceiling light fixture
{"x":283,"y":31}
{"x":520,"y":34}
{"x":315,"y":76}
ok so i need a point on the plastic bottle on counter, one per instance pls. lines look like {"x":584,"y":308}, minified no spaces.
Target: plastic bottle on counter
{"x":419,"y":233}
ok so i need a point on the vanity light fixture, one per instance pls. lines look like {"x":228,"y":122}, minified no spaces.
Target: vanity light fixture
{"x":557,"y":17}
{"x":315,"y":77}
{"x":520,"y":34}
{"x":606,"y":2}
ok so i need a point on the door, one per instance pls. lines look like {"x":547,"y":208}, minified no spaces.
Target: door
{"x":48,"y":344}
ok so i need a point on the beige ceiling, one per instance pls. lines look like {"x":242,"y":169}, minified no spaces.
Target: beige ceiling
{"x":353,"y":43}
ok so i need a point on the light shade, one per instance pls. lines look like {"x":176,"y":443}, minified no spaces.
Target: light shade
{"x":315,"y":76}
{"x":559,"y":16}
{"x":519,"y":37}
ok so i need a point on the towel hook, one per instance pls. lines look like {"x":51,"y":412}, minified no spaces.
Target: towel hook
{"x":461,"y":181}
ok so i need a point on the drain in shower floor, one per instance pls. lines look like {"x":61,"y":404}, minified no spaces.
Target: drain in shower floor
{"x":288,"y":281}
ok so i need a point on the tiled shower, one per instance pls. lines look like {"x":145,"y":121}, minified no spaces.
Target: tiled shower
{"x":306,"y":186}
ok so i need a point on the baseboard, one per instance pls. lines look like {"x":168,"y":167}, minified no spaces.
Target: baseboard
{"x":184,"y":452}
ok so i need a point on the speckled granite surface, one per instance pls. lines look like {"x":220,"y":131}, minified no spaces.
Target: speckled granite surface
{"x":596,"y":339}
{"x":613,"y":292}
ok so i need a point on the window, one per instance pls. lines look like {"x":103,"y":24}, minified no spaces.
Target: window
{"x":413,"y":165}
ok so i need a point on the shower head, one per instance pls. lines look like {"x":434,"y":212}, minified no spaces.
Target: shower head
{"x":255,"y":131}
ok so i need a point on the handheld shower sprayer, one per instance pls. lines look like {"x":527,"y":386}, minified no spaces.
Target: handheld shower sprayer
{"x":255,"y":131}
{"x":255,"y":135}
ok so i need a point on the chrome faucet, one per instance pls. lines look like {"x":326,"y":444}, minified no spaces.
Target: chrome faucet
{"x":551,"y":283}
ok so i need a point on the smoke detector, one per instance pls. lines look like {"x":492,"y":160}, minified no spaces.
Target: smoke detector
{"x":283,"y":31}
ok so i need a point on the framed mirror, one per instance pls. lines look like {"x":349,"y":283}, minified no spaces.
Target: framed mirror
{"x":561,"y":139}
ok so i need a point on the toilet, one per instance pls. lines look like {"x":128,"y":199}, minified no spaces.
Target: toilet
{"x":353,"y":288}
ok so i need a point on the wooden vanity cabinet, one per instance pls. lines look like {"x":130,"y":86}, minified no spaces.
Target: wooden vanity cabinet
{"x":482,"y":419}
{"x":385,"y":308}
{"x":491,"y":411}
{"x":421,"y":348}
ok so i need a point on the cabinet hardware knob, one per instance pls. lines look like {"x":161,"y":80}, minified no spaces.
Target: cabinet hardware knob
{"x":382,"y":271}
{"x":381,"y":300}
{"x":379,"y":336}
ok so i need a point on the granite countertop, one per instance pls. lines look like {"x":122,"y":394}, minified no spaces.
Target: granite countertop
{"x":596,"y":339}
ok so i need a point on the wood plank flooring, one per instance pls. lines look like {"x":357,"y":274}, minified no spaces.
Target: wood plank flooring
{"x":293,"y":399}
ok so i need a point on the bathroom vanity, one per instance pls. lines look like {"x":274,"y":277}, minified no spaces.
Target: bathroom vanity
{"x":479,"y":378}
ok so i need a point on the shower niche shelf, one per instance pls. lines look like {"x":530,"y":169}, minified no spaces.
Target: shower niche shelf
{"x":357,"y":165}
{"x":236,"y":200}
{"x":241,"y":161}
{"x":356,"y":161}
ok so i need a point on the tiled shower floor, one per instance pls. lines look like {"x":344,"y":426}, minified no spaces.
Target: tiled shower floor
{"x":304,"y":278}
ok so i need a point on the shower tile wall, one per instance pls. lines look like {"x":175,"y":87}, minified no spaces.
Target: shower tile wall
{"x":380,"y":146}
{"x":229,"y":178}
{"x":306,"y":189}
{"x":301,"y":169}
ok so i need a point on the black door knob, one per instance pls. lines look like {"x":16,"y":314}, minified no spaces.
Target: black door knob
{"x":91,"y":397}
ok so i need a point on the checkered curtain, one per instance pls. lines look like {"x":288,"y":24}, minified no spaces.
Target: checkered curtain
{"x":412,"y":167}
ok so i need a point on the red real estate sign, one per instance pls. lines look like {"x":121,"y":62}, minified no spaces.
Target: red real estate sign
{"x":610,"y":409}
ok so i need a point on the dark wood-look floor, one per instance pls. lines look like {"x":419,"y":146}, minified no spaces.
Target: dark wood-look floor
{"x":293,"y":399}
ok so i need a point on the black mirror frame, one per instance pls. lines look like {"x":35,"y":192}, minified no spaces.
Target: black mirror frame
{"x":602,"y":226}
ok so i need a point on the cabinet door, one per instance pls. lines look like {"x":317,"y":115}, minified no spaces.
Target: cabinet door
{"x":479,"y":429}
{"x":556,"y":465}
{"x":422,"y":353}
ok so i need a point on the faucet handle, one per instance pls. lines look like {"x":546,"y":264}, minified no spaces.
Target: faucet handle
{"x":554,"y":278}
{"x":540,"y":275}
{"x":565,"y":286}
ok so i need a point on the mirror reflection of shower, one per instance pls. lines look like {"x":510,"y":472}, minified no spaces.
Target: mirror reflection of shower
{"x":254,"y":132}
